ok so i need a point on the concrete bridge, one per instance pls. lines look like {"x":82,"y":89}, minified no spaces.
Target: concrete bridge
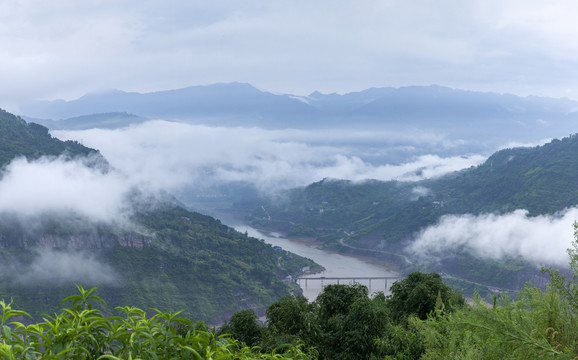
{"x":379,"y":283}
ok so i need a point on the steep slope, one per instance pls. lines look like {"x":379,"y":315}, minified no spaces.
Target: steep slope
{"x":157,"y":254}
{"x":168,"y":258}
{"x":384,"y":217}
{"x":541,"y":180}
{"x":18,"y":138}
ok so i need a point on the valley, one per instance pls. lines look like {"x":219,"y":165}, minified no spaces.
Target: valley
{"x":79,"y":223}
{"x":416,"y":215}
{"x":304,"y":180}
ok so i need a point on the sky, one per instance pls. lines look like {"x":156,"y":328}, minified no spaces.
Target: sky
{"x":66,"y":48}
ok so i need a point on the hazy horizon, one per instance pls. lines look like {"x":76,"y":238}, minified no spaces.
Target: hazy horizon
{"x":68,"y":48}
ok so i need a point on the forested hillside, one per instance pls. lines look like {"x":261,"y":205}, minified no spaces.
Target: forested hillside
{"x":155,"y":254}
{"x":380,"y":216}
{"x":18,"y":138}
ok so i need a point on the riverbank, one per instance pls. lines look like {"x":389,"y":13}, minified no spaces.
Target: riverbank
{"x":336,"y":264}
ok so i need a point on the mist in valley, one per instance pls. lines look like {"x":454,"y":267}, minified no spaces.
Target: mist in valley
{"x":195,"y":161}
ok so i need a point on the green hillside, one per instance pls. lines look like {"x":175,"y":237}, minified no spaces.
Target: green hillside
{"x":380,"y":216}
{"x":177,"y":260}
{"x":162,"y":255}
{"x":19,"y":138}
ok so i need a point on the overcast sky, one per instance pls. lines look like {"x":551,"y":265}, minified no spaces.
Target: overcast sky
{"x":65,"y":48}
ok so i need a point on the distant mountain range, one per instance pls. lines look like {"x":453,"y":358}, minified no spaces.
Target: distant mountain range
{"x":231,"y":104}
{"x":112,"y":120}
{"x":459,"y":113}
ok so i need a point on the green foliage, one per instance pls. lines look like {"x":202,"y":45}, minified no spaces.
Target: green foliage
{"x":165,"y":257}
{"x":18,"y":138}
{"x":243,"y":326}
{"x":419,"y":294}
{"x":336,"y":300}
{"x":175,"y":259}
{"x":342,"y":323}
{"x":536,"y":326}
{"x":568,"y":288}
{"x":376,"y":215}
{"x":290,"y":315}
{"x":80,"y":332}
{"x":400,"y":343}
{"x":539,"y":325}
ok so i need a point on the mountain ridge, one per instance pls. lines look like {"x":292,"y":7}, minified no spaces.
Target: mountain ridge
{"x":384,"y":217}
{"x":461,"y":116}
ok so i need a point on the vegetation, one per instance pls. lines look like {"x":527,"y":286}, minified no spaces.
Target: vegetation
{"x":344,"y":323}
{"x":539,"y":325}
{"x":176,"y":260}
{"x":161,"y":255}
{"x":420,"y":294}
{"x":18,"y":138}
{"x":380,"y":217}
{"x":411,"y":323}
{"x":84,"y":332}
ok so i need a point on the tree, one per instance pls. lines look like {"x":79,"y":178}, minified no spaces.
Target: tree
{"x":290,"y":315}
{"x":349,"y":322}
{"x":568,"y":289}
{"x":243,"y":326}
{"x":336,"y":300}
{"x":418,"y":294}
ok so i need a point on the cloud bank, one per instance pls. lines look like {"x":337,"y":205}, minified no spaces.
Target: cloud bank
{"x":165,"y":155}
{"x":56,"y":185}
{"x":51,"y":266}
{"x":541,"y":239}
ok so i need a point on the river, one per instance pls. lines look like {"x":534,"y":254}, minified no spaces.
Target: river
{"x":335,"y":264}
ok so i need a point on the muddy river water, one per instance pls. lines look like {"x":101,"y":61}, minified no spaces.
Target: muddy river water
{"x":335,"y":264}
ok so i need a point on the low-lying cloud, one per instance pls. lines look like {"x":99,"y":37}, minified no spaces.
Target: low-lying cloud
{"x":542,"y":239}
{"x":52,"y":267}
{"x":57,"y":185}
{"x":166,"y":155}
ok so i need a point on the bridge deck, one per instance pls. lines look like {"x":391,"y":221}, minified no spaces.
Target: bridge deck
{"x":371,"y":281}
{"x":350,"y":278}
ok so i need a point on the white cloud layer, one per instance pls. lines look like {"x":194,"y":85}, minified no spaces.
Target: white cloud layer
{"x":165,"y":155}
{"x":541,"y":239}
{"x":55,"y":185}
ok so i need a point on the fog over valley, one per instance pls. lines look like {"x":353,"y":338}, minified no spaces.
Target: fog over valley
{"x":192,"y":160}
{"x":169,"y":155}
{"x":201,"y":157}
{"x":543,"y":240}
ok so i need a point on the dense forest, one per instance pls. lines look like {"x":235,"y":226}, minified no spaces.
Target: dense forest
{"x":19,"y":138}
{"x":424,"y":319}
{"x":159,"y":254}
{"x":421,"y":319}
{"x":382,"y":218}
{"x":541,"y":180}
